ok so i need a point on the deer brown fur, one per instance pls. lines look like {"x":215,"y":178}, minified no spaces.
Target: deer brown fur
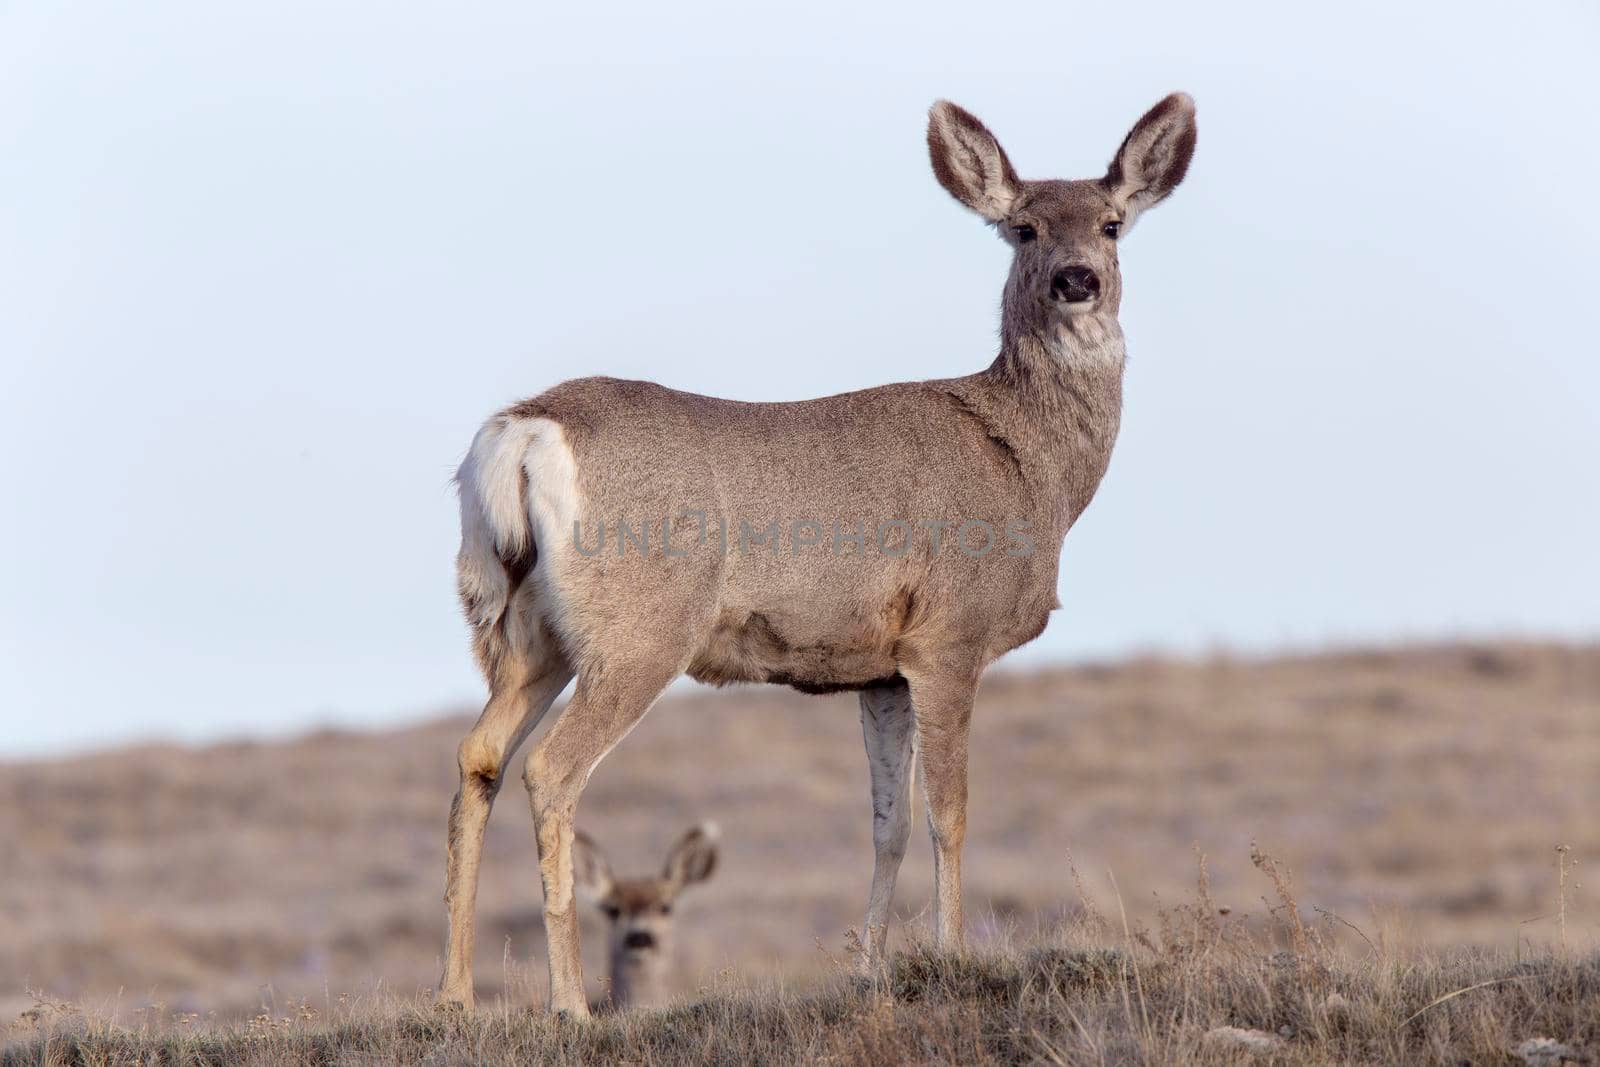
{"x":555,"y":587}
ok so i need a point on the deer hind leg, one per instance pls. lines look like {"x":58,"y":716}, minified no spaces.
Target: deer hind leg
{"x":608,"y":702}
{"x":522,"y":688}
{"x":888,"y":727}
{"x":942,"y":706}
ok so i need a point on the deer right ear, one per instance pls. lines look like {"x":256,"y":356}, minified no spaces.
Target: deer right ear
{"x":970,"y":163}
{"x":590,"y":870}
{"x":693,"y":857}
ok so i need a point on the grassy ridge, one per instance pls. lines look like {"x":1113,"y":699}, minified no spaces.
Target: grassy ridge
{"x":207,"y":905}
{"x":1430,"y":782}
{"x":1046,"y":1005}
{"x":1201,"y":985}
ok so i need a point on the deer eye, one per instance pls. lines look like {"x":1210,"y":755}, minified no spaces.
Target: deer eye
{"x":1024,"y":233}
{"x":665,"y":909}
{"x":1112,"y":230}
{"x":611,"y":911}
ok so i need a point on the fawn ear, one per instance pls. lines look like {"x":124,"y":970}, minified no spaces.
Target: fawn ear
{"x":590,"y":870}
{"x":1154,"y":156}
{"x":693,"y":858}
{"x":969,"y":162}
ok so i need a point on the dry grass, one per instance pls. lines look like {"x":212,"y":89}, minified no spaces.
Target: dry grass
{"x":1199,"y":987}
{"x":1417,"y":794}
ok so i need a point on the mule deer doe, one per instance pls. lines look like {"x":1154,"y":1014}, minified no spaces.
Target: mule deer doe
{"x":640,"y":911}
{"x":909,"y":618}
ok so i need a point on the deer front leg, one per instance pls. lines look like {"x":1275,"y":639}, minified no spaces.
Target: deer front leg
{"x":888,"y":728}
{"x":942,"y":706}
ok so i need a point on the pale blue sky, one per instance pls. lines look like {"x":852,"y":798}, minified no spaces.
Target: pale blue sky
{"x":263,"y":272}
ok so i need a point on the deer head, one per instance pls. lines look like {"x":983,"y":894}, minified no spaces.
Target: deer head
{"x":640,"y":911}
{"x":1064,"y":233}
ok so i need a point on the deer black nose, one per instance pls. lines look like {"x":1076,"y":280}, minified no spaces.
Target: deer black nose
{"x":639,"y":939}
{"x":1074,"y":284}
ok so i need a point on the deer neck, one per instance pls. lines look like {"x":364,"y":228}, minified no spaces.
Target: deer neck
{"x":1056,"y":394}
{"x":639,"y":980}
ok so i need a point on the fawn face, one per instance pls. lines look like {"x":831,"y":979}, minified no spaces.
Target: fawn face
{"x":640,"y":911}
{"x":1063,"y":233}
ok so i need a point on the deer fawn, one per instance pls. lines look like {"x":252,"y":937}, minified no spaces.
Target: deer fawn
{"x":640,"y":911}
{"x":848,"y":543}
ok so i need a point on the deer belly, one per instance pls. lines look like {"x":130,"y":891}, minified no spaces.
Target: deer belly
{"x":745,"y":646}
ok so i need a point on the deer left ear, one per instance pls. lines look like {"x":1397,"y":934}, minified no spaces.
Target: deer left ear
{"x":590,"y":870}
{"x":1154,"y":156}
{"x":693,"y":858}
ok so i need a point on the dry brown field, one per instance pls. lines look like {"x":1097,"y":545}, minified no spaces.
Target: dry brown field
{"x":1416,"y":796}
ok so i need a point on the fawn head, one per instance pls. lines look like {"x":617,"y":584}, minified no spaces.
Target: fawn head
{"x":1064,"y":233}
{"x":640,"y":910}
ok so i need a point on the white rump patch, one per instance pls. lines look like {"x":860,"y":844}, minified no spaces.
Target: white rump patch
{"x":552,"y":472}
{"x":519,"y":490}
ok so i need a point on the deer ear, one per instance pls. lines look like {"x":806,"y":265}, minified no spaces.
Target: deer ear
{"x":1154,"y":156}
{"x":693,"y":858}
{"x":590,"y":870}
{"x":970,"y":163}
